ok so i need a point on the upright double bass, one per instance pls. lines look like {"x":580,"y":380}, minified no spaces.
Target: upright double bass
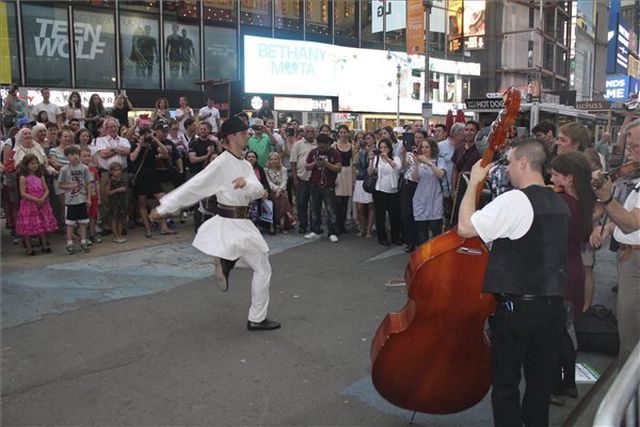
{"x":432,"y":355}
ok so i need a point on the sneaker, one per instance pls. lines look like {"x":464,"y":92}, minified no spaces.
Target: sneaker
{"x":84,"y":246}
{"x":333,"y":238}
{"x":120,"y":240}
{"x":97,"y":239}
{"x":70,"y":249}
{"x":311,"y":235}
{"x":89,"y":242}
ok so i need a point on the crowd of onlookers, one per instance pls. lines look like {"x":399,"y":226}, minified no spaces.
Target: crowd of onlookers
{"x":96,"y":169}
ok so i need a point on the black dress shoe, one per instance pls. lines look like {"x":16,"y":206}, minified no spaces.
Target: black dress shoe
{"x":222,"y":270}
{"x":265,"y":325}
{"x":385,"y":243}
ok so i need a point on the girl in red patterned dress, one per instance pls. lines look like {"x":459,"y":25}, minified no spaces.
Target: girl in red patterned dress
{"x":35,"y":217}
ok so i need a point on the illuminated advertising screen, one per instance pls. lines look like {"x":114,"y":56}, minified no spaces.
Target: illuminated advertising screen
{"x":288,"y":67}
{"x":394,"y":12}
{"x":473,"y":24}
{"x":456,"y":17}
{"x":362,"y":79}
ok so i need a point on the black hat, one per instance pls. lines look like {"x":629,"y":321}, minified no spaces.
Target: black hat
{"x":232,"y":125}
{"x":161,"y":125}
{"x":324,"y":139}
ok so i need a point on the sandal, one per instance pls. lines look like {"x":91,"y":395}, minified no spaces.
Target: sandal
{"x":46,"y":250}
{"x":147,"y":234}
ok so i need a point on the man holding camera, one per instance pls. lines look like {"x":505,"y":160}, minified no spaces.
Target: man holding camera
{"x":324,"y":163}
{"x":262,"y":142}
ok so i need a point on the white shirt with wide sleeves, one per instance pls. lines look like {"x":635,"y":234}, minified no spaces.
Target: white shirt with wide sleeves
{"x":222,"y":237}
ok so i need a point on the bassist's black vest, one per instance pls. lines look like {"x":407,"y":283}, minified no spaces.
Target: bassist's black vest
{"x":536,"y":263}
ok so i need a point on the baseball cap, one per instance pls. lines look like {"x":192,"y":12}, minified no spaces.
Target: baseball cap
{"x":24,"y":121}
{"x":231,"y":125}
{"x":257,"y":123}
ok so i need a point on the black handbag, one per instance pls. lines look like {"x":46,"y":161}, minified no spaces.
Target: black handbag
{"x":369,"y":184}
{"x":597,"y":331}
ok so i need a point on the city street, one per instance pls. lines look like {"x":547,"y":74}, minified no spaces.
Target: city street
{"x":139,"y":334}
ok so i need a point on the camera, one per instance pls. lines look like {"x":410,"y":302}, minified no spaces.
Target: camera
{"x":376,"y":151}
{"x":291,"y":131}
{"x":408,"y":140}
{"x":323,"y":157}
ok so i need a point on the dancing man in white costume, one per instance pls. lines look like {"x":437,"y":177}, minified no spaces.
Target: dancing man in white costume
{"x":229,"y":235}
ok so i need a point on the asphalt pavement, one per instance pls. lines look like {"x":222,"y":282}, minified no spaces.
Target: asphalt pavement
{"x":139,"y":335}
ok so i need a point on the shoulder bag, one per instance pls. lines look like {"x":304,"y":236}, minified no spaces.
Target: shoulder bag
{"x":369,"y":184}
{"x":133,"y":179}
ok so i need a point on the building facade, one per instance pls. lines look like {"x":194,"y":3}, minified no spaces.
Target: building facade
{"x":170,"y":48}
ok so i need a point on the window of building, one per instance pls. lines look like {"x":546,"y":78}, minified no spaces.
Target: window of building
{"x":146,"y":6}
{"x":94,"y":33}
{"x":256,"y":14}
{"x":370,"y":37}
{"x":318,"y":20}
{"x":288,"y":18}
{"x":395,"y":25}
{"x":549,"y":21}
{"x":548,"y":56}
{"x":140,"y":50}
{"x":221,"y":12}
{"x":10,"y":60}
{"x":46,"y":44}
{"x":220,"y":53}
{"x":181,"y":45}
{"x":346,"y":22}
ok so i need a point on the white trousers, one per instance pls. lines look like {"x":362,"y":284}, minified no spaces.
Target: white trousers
{"x":260,"y":282}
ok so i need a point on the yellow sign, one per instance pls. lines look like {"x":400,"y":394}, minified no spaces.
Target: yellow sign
{"x":5,"y":55}
{"x":634,"y":67}
{"x":415,"y":27}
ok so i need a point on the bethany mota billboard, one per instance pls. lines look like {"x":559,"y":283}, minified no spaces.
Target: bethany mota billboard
{"x":288,"y":67}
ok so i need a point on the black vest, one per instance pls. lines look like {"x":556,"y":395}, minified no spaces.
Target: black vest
{"x":536,"y":263}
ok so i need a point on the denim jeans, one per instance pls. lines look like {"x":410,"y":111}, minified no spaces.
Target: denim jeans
{"x":326,"y":195}
{"x":303,"y":193}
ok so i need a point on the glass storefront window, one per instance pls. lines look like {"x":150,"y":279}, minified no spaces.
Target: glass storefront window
{"x":221,"y":12}
{"x":288,"y":18}
{"x":318,"y":19}
{"x":346,"y":22}
{"x":221,"y":53}
{"x":140,"y":50}
{"x":9,"y":59}
{"x":95,"y":46}
{"x":255,"y":13}
{"x":46,"y":44}
{"x":146,"y":6}
{"x":181,"y":45}
{"x":369,"y":38}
